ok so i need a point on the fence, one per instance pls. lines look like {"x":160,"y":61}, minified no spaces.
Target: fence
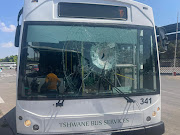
{"x":167,"y":66}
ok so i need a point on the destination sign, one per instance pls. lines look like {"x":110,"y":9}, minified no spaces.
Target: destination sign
{"x":81,"y":10}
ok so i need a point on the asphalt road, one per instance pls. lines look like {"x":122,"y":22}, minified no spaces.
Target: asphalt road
{"x":7,"y":100}
{"x":170,"y":102}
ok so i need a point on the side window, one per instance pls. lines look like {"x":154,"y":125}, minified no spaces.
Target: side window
{"x":148,"y":63}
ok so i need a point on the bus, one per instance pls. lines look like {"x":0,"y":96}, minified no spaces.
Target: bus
{"x":7,"y":65}
{"x":87,"y":67}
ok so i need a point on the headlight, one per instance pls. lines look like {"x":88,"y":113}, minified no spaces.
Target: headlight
{"x":27,"y":123}
{"x":154,"y":114}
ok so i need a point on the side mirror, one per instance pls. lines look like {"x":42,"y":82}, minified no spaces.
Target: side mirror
{"x":163,"y":38}
{"x":18,"y":30}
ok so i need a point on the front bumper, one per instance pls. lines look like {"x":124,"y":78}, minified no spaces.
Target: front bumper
{"x":155,"y":129}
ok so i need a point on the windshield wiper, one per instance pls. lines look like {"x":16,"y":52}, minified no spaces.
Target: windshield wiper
{"x":129,"y":100}
{"x":59,"y":103}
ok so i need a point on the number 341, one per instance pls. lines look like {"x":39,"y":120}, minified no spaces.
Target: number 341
{"x":146,"y":101}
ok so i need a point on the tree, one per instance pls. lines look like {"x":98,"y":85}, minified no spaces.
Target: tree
{"x":12,"y":58}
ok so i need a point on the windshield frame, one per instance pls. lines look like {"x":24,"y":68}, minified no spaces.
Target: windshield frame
{"x":23,"y":44}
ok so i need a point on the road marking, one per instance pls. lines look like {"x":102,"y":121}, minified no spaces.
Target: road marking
{"x":1,"y":100}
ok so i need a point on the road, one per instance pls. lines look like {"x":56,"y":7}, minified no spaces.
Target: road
{"x":170,"y":102}
{"x":7,"y":99}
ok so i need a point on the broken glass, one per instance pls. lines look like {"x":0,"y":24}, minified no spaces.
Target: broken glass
{"x":88,"y":60}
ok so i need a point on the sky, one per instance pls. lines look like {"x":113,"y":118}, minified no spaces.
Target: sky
{"x":165,"y":12}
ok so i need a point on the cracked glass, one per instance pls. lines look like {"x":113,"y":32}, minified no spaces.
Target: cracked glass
{"x":87,"y":61}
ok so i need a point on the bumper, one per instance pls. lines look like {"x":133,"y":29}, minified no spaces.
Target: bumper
{"x":155,"y":129}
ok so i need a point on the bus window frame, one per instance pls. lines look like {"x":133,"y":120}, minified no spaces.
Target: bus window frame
{"x":23,"y":44}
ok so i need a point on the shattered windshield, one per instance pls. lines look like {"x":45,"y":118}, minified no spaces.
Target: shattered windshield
{"x":87,"y":61}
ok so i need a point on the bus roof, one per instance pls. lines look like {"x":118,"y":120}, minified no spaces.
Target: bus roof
{"x":47,"y":10}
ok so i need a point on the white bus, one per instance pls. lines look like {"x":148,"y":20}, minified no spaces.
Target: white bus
{"x":87,"y":67}
{"x":7,"y":65}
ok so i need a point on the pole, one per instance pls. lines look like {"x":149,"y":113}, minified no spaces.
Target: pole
{"x":174,"y":72}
